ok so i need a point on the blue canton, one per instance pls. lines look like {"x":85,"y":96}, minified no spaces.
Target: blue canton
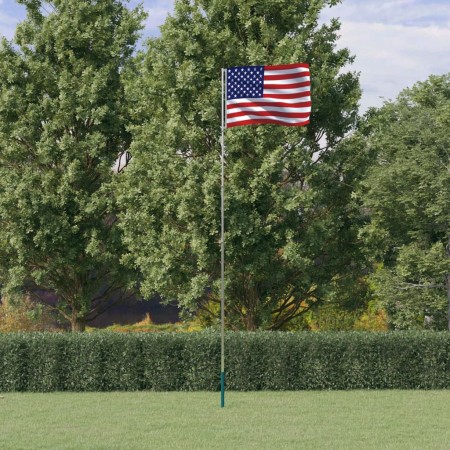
{"x":245,"y":82}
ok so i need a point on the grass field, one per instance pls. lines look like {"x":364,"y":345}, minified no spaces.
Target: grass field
{"x":254,"y":420}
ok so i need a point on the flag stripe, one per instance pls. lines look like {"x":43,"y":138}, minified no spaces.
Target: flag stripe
{"x":287,"y":76}
{"x":263,"y":121}
{"x":305,"y":101}
{"x":288,"y":66}
{"x":285,"y":96}
{"x":283,"y":81}
{"x":263,"y":113}
{"x":268,"y":117}
{"x":278,"y":90}
{"x":278,"y":94}
{"x":285,"y":86}
{"x":269,"y":108}
{"x":284,"y":72}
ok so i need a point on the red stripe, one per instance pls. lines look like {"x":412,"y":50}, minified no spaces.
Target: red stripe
{"x":286,"y":66}
{"x":262,"y":104}
{"x":281,"y":96}
{"x":269,"y":113}
{"x":287,"y":76}
{"x":263,"y":121}
{"x":287,"y":86}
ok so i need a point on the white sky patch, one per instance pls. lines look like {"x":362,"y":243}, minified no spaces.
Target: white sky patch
{"x":396,"y":43}
{"x":156,"y":16}
{"x":157,"y":11}
{"x":395,"y":12}
{"x":11,"y":13}
{"x":8,"y":24}
{"x":393,"y":57}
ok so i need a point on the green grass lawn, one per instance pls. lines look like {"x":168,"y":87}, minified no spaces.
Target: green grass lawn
{"x":254,"y":420}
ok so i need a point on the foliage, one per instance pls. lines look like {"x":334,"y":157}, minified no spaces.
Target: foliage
{"x":147,"y":326}
{"x":254,"y":361}
{"x":62,"y":124}
{"x":21,"y":314}
{"x":290,"y":224}
{"x":407,"y":195}
{"x":373,"y":319}
{"x":336,"y":317}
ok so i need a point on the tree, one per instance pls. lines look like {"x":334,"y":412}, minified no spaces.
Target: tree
{"x":62,"y":124}
{"x":407,"y":195}
{"x":290,"y":232}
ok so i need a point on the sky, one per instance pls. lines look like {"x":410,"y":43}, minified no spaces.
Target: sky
{"x":396,"y":42}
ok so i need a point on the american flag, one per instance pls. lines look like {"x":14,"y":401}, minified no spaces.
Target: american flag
{"x":268,"y":94}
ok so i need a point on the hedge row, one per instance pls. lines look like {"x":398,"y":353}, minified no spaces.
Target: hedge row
{"x":254,"y":361}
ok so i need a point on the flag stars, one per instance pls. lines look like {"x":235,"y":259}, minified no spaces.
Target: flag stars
{"x":245,"y":82}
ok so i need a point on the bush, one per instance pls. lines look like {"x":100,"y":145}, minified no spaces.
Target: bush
{"x":106,"y":361}
{"x":335,"y":317}
{"x":21,"y":314}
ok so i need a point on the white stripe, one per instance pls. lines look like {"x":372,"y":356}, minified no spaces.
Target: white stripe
{"x":271,"y":108}
{"x":287,"y":81}
{"x":268,"y":99}
{"x":287,"y":91}
{"x":255,"y":117}
{"x":285,"y":71}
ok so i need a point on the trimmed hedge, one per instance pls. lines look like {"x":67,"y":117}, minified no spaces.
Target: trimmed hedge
{"x":100,"y":361}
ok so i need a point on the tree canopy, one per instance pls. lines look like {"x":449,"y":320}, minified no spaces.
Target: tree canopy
{"x":62,"y":125}
{"x":309,"y":211}
{"x":290,"y":232}
{"x":407,"y":195}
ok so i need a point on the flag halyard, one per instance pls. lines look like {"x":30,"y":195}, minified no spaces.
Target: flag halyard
{"x":268,"y":94}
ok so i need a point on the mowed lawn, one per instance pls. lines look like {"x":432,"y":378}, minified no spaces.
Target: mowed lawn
{"x":253,"y":420}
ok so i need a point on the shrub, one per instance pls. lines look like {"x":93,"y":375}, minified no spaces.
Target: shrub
{"x":21,"y":314}
{"x":335,"y":317}
{"x":106,"y":361}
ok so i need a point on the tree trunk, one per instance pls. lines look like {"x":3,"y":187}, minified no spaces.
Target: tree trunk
{"x":251,"y":301}
{"x":448,"y":300}
{"x":78,"y":325}
{"x":250,"y":322}
{"x":448,"y":284}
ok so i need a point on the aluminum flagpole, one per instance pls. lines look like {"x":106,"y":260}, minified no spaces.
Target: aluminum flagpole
{"x":222,"y":249}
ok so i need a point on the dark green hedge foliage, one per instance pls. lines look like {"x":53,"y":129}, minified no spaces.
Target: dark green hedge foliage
{"x":100,"y":361}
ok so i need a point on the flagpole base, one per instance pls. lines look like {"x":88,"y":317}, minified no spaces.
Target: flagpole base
{"x":222,"y":389}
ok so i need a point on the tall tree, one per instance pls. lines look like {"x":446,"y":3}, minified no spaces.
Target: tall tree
{"x":62,"y":124}
{"x":407,"y":195}
{"x":290,"y":234}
